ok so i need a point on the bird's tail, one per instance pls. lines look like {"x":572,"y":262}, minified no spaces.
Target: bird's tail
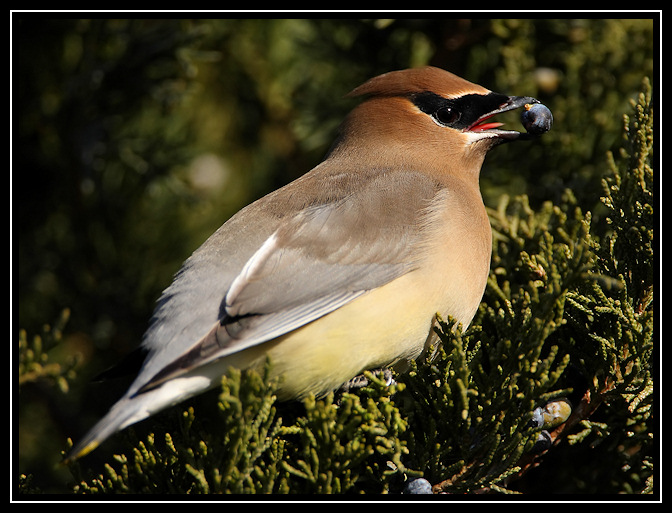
{"x":135,"y":407}
{"x":125,"y":412}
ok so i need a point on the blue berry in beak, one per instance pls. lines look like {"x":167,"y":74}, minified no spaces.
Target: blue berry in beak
{"x":536,"y":118}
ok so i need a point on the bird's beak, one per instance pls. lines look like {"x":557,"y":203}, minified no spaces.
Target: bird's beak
{"x":491,"y":129}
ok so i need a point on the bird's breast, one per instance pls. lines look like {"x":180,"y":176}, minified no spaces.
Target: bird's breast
{"x":456,"y":257}
{"x":392,"y":323}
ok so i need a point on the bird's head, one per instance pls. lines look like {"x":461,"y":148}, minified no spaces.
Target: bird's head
{"x":428,"y":114}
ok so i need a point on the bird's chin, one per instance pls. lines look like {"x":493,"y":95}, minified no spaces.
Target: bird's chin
{"x":492,"y":137}
{"x":493,"y":133}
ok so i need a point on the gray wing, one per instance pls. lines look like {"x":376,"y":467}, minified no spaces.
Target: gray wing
{"x":266,"y":272}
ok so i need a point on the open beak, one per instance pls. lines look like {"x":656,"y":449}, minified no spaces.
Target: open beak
{"x":491,"y":129}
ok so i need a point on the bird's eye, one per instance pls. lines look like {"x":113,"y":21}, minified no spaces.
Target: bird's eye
{"x":446,"y":116}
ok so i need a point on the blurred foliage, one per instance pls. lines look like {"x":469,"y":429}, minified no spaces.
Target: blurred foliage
{"x":34,"y":357}
{"x":134,"y":139}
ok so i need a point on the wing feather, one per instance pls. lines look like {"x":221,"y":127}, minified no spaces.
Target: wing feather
{"x":307,"y":265}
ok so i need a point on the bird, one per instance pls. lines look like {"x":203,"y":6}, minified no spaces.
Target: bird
{"x":344,"y":269}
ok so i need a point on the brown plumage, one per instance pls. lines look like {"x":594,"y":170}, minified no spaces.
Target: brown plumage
{"x":344,"y":269}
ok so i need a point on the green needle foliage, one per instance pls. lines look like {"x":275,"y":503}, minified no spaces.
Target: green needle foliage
{"x":616,"y":313}
{"x":494,"y":375}
{"x":235,"y":452}
{"x":348,"y":446}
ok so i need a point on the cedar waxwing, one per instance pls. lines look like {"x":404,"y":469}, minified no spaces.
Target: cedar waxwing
{"x":344,"y":269}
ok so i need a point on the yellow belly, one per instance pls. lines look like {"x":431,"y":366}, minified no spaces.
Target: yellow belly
{"x":388,"y":325}
{"x":392,"y":323}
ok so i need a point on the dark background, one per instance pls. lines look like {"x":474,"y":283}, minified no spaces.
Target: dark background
{"x":133,"y":140}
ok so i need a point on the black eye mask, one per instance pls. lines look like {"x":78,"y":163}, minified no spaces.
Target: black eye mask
{"x":459,"y":113}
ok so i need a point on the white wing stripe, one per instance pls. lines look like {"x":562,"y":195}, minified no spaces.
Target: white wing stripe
{"x":251,"y":269}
